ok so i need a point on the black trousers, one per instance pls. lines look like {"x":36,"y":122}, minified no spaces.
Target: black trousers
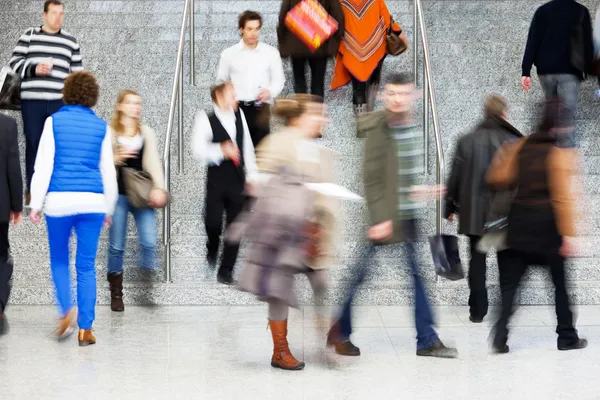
{"x":221,"y":199}
{"x":360,"y":90}
{"x":318,"y":66}
{"x":257,"y":120}
{"x":512,"y":265}
{"x":478,"y":298}
{"x":6,"y":267}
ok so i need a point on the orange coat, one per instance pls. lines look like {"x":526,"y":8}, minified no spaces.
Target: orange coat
{"x":364,"y":43}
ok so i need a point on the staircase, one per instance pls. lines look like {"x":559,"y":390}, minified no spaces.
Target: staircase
{"x":476,"y":49}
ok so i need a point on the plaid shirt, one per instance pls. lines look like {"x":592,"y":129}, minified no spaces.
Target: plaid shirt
{"x":410,"y":168}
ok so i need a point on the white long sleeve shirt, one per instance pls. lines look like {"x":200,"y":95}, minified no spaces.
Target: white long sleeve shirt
{"x":60,"y":204}
{"x":210,"y":153}
{"x":251,"y":70}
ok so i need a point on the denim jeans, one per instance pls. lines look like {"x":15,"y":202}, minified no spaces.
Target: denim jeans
{"x":145,"y":220}
{"x":87,"y":228}
{"x":426,"y":335}
{"x":566,"y":88}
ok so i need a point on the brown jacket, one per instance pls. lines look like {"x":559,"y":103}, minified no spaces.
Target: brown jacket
{"x":291,"y":46}
{"x":287,"y":148}
{"x":380,"y":172}
{"x":561,"y":165}
{"x":150,"y":160}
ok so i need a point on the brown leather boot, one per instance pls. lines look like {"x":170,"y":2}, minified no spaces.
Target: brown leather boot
{"x":282,"y":357}
{"x":65,"y":324}
{"x":116,"y":291}
{"x":86,"y":337}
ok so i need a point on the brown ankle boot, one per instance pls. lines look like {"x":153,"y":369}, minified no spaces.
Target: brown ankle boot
{"x":86,"y":337}
{"x":282,"y":357}
{"x":116,"y":291}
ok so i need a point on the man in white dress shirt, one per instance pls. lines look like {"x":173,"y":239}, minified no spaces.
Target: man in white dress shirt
{"x":222,"y":141}
{"x":256,"y":71}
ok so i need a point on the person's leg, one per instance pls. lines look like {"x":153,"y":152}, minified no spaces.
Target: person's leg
{"x":567,"y":334}
{"x":6,"y":270}
{"x":118,"y":236}
{"x":145,"y":221}
{"x":282,"y":356}
{"x":34,"y":117}
{"x":511,"y":266}
{"x":59,"y":233}
{"x":568,"y":91}
{"x":213,"y":222}
{"x":234,"y":204}
{"x":318,"y":68}
{"x":373,"y":85}
{"x":87,"y":229}
{"x":359,"y":92}
{"x":298,"y":70}
{"x":478,"y":298}
{"x":549,"y":86}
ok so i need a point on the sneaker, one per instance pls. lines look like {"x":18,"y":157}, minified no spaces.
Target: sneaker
{"x":211,"y":259}
{"x":438,"y":350}
{"x":576,"y":345}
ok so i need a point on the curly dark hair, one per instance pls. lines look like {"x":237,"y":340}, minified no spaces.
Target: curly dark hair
{"x":81,"y":88}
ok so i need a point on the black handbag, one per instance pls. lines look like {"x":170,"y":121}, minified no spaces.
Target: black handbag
{"x":10,"y":90}
{"x":446,"y":257}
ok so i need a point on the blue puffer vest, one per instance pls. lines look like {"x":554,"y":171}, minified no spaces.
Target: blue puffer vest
{"x":78,"y":136}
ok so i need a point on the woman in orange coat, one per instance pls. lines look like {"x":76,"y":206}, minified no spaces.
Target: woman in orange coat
{"x":363,"y":49}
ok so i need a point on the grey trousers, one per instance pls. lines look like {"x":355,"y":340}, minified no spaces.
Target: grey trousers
{"x":279,"y":310}
{"x":566,"y":88}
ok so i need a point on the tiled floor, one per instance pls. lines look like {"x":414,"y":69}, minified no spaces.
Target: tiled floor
{"x":224,"y":353}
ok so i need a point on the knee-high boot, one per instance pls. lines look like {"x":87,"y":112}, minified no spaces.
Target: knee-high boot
{"x":282,"y":356}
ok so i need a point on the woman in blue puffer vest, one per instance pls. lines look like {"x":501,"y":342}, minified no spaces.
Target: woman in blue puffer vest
{"x":75,"y":184}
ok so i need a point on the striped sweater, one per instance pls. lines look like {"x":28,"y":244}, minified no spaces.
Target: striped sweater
{"x":409,"y":142}
{"x":34,"y":47}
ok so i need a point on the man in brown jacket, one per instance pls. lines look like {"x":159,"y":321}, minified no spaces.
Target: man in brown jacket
{"x":392,"y":165}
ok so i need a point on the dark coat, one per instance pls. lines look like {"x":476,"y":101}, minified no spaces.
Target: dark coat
{"x":11,"y":183}
{"x":468,"y":193}
{"x":291,"y":46}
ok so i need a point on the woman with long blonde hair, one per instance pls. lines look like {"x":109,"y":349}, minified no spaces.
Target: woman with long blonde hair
{"x":135,"y":147}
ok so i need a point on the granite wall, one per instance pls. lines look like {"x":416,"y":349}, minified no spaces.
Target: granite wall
{"x":476,"y":49}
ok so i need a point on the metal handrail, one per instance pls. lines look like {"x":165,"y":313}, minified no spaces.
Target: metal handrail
{"x":177,"y":100}
{"x":429,"y":101}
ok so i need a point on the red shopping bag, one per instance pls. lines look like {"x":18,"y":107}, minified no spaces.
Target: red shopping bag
{"x":311,"y":23}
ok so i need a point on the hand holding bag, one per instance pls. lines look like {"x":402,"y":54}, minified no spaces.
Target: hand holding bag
{"x":396,"y":43}
{"x":446,"y":257}
{"x":138,"y":185}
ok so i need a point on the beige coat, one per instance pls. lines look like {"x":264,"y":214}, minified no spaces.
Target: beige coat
{"x":289,"y":147}
{"x":150,"y":160}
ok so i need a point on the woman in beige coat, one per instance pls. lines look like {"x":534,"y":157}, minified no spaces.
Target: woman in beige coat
{"x":134,"y":146}
{"x":294,"y":146}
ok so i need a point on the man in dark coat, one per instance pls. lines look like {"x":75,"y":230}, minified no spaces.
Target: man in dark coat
{"x":469,"y":196}
{"x":11,"y":204}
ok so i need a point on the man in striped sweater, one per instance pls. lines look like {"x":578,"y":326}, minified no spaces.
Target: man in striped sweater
{"x":44,"y":57}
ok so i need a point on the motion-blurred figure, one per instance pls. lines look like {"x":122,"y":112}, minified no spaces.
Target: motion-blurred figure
{"x":256,"y":71}
{"x":469,"y":195}
{"x":541,"y":221}
{"x":75,"y":183}
{"x":222,"y":141}
{"x":392,"y":167}
{"x":11,"y":205}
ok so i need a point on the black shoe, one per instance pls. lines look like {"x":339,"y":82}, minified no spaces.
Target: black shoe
{"x":475,"y":320}
{"x":226,"y":280}
{"x":438,"y":350}
{"x":211,"y":259}
{"x":3,"y":325}
{"x":576,"y":345}
{"x":501,"y":350}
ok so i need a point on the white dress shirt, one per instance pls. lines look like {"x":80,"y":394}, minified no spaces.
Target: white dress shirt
{"x":210,"y":153}
{"x":60,"y":204}
{"x":251,"y":70}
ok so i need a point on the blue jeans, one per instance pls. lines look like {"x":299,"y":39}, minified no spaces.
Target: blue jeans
{"x":87,"y":228}
{"x":426,"y":335}
{"x":566,"y":88}
{"x":145,"y":220}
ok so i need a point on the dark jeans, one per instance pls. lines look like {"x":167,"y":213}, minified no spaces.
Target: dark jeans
{"x":512,"y":265}
{"x":426,"y":335}
{"x":219,"y":200}
{"x":318,"y":66}
{"x":258,"y":122}
{"x":35,"y":113}
{"x":6,"y":266}
{"x":362,"y":92}
{"x":478,"y":299}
